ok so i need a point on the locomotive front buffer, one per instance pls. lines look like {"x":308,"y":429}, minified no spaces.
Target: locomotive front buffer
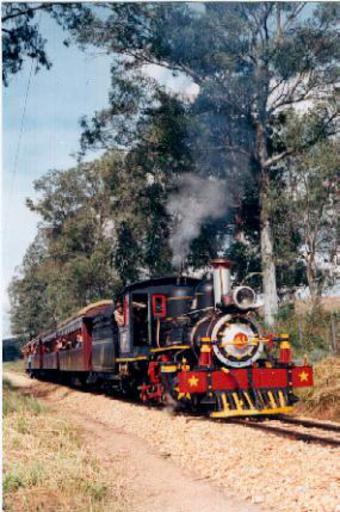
{"x":250,"y":391}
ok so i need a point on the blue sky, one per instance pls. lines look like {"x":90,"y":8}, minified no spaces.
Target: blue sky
{"x":77,"y":84}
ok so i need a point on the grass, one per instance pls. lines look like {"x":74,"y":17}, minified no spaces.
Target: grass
{"x":19,"y":404}
{"x":323,"y":400}
{"x":310,"y":330}
{"x":47,"y":466}
{"x":17,"y":366}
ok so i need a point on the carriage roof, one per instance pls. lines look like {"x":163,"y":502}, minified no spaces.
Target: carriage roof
{"x":74,"y":322}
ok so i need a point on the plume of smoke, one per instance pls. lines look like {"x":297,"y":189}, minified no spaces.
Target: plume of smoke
{"x":196,"y":201}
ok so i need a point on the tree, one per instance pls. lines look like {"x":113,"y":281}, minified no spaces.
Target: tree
{"x":21,"y":36}
{"x":71,"y":262}
{"x":126,"y":259}
{"x":30,"y":308}
{"x":312,"y":190}
{"x":251,"y":62}
{"x":148,"y":176}
{"x":91,"y":216}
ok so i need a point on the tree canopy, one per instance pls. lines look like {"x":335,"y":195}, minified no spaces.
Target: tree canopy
{"x":251,"y":61}
{"x":260,"y":127}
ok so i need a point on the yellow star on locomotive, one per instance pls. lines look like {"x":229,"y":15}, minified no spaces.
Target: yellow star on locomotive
{"x":303,"y":376}
{"x":193,"y":381}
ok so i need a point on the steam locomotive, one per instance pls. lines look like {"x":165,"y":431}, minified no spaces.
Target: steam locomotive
{"x":180,"y":340}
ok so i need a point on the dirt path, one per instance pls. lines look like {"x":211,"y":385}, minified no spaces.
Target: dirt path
{"x":155,"y":482}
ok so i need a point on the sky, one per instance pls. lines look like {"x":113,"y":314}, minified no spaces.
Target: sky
{"x":76,"y":85}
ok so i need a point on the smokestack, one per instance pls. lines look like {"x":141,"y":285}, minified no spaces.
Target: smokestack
{"x":222,"y":281}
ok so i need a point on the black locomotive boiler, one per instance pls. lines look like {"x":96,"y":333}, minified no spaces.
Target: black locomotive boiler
{"x":193,"y":342}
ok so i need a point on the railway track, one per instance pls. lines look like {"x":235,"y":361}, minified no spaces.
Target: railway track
{"x":310,"y":423}
{"x":276,"y":425}
{"x":271,"y":425}
{"x":297,"y":429}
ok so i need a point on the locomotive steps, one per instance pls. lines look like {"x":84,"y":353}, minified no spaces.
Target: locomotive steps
{"x":174,"y":463}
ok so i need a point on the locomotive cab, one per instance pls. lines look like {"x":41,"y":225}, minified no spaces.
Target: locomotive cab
{"x":155,"y":312}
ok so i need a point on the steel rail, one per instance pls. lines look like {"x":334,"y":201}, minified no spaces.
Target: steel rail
{"x":295,"y":420}
{"x":292,"y":434}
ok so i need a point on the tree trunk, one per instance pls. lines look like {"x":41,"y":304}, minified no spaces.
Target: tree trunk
{"x":267,"y":263}
{"x":267,"y":249}
{"x":312,"y":276}
{"x":314,"y":284}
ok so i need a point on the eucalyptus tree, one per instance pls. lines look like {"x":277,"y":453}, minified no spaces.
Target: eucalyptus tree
{"x":71,"y":262}
{"x":102,"y":225}
{"x":249,"y":61}
{"x":311,"y":187}
{"x":30,"y":308}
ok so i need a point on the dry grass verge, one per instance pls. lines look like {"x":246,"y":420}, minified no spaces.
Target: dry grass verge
{"x":47,"y":466}
{"x":17,"y":366}
{"x":323,"y":400}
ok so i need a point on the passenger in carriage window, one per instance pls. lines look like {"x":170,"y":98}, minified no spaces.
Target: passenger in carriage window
{"x":119,"y":314}
{"x":75,"y":343}
{"x":66,"y":344}
{"x":37,"y":347}
{"x":29,"y":359}
{"x":58,"y":345}
{"x":79,"y":341}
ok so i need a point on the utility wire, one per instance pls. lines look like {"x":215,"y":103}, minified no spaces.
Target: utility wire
{"x":22,"y":124}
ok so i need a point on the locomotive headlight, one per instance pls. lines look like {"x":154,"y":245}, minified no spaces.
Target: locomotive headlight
{"x":244,"y":297}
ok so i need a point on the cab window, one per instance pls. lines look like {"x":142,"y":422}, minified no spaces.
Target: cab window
{"x":140,"y":317}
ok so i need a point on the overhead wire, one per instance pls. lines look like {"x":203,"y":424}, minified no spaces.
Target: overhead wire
{"x":21,"y":130}
{"x":22,"y":122}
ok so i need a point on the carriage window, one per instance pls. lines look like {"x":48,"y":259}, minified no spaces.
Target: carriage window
{"x":140,"y":319}
{"x":102,"y":330}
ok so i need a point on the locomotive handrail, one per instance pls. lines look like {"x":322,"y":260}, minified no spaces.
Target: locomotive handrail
{"x":195,"y":311}
{"x":254,"y":341}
